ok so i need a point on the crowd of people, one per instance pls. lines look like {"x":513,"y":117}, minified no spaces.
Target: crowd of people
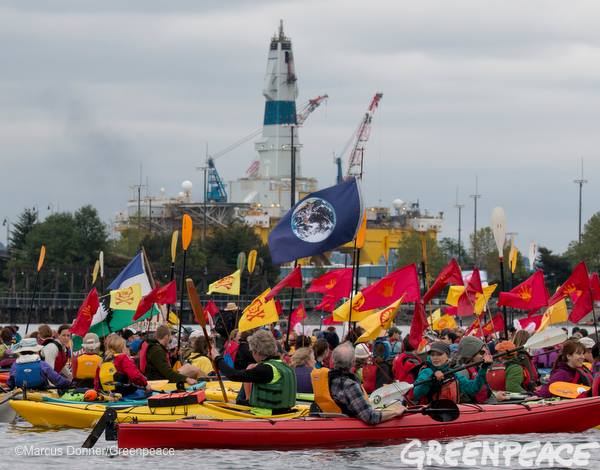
{"x":275,"y":365}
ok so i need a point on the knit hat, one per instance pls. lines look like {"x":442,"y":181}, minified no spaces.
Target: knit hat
{"x":441,"y":347}
{"x":503,"y":346}
{"x":90,"y":342}
{"x":469,"y":346}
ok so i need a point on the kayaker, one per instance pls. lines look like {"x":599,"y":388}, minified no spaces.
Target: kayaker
{"x":589,"y":344}
{"x":362,"y":356}
{"x":472,"y":349}
{"x":56,"y":353}
{"x":510,"y":373}
{"x":118,"y":372}
{"x":273,"y":381}
{"x":568,"y":368}
{"x":443,"y":387}
{"x":154,"y":359}
{"x":30,"y":371}
{"x":322,"y":353}
{"x":85,"y":365}
{"x":199,"y":355}
{"x":7,"y":357}
{"x":303,"y":362}
{"x":395,"y":340}
{"x":231,"y":347}
{"x":407,"y":364}
{"x":338,"y":390}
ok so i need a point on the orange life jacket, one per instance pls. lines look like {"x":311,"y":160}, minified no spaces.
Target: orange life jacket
{"x":85,"y":366}
{"x":496,"y":377}
{"x":320,"y":384}
{"x":448,"y":391}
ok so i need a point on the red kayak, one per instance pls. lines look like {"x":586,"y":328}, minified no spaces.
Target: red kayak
{"x":559,"y":416}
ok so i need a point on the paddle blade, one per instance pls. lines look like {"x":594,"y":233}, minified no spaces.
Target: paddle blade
{"x":389,"y":394}
{"x":101,"y":261}
{"x":95,"y":271}
{"x":195,"y":302}
{"x":41,"y":258}
{"x":551,"y":336}
{"x":443,"y":411}
{"x":499,"y":229}
{"x":252,"y":261}
{"x":174,"y":238}
{"x":186,"y":231}
{"x":567,"y":389}
{"x":241,"y":261}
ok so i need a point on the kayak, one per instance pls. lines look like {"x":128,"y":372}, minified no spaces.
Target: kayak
{"x":310,"y":432}
{"x":74,"y":415}
{"x":7,"y":414}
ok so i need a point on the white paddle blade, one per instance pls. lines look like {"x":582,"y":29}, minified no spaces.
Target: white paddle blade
{"x":499,"y":229}
{"x":551,"y":336}
{"x":390,"y":393}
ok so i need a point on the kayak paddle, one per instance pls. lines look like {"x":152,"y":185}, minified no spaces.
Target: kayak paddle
{"x":551,"y":336}
{"x":199,"y":315}
{"x":443,"y":411}
{"x":567,"y":389}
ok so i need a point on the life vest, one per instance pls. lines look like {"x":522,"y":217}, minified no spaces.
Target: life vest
{"x":109,"y":377}
{"x":596,"y":387}
{"x":320,"y":384}
{"x":369,"y":377}
{"x":280,"y":393}
{"x":406,"y":367}
{"x":496,"y":377}
{"x":534,"y":375}
{"x":447,"y":390}
{"x":583,"y":376}
{"x":29,"y":375}
{"x":143,"y":352}
{"x":85,"y":366}
{"x":61,"y":358}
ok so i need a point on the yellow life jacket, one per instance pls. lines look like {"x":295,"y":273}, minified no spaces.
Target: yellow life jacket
{"x":86,"y":366}
{"x":320,"y":384}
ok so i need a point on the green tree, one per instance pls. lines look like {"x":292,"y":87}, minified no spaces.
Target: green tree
{"x":557,"y":268}
{"x":589,"y":248}
{"x":90,"y":234}
{"x":449,"y":249}
{"x":410,"y":250}
{"x":27,"y":220}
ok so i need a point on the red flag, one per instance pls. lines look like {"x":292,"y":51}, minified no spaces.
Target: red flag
{"x":531,"y":294}
{"x":166,"y":294}
{"x":418,"y":325}
{"x":298,"y":315}
{"x":582,"y":306}
{"x":278,"y":306}
{"x":330,"y":321}
{"x":449,"y":310}
{"x":595,"y":286}
{"x":536,"y":320}
{"x":473,"y":326}
{"x":86,"y":312}
{"x":466,"y":302}
{"x":579,"y":280}
{"x":402,"y":282}
{"x":327,"y":304}
{"x":335,"y":284}
{"x":211,"y":308}
{"x":293,"y":279}
{"x":495,"y":324}
{"x":451,"y":274}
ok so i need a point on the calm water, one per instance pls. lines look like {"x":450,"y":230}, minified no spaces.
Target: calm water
{"x":14,"y":436}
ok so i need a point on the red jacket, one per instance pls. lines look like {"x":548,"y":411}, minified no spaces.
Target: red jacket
{"x":124,"y":365}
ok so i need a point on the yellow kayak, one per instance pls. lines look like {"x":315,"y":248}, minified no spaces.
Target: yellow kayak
{"x":53,"y":415}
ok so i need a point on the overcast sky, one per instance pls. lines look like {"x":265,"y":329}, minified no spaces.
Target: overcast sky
{"x":506,"y":90}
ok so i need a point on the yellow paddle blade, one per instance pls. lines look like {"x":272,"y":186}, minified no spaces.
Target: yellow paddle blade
{"x":174,"y":238}
{"x":186,"y":231}
{"x":252,"y":261}
{"x":95,"y":272}
{"x":158,"y":385}
{"x":567,"y":389}
{"x":41,"y":258}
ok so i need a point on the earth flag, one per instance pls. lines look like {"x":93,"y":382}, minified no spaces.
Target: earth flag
{"x":320,"y":222}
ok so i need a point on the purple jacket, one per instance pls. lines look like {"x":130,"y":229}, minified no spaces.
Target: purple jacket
{"x":545,"y":358}
{"x":563,"y":373}
{"x":48,"y":374}
{"x":303,"y":381}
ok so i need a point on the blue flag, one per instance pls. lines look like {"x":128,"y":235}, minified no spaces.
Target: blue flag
{"x":320,"y":222}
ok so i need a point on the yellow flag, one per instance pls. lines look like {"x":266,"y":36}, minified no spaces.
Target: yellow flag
{"x":379,"y":321}
{"x":172,"y":318}
{"x":362,"y":231}
{"x":126,"y":298}
{"x":557,"y":313}
{"x":342,"y":313}
{"x":512,"y":257}
{"x":456,"y":291}
{"x":258,"y":313}
{"x":445,"y":322}
{"x":227,"y":285}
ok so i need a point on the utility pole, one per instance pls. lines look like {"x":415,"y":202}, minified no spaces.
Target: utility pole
{"x":475,"y":197}
{"x":205,"y":200}
{"x":138,"y":187}
{"x":580,"y":182}
{"x":459,"y":207}
{"x":6,"y":223}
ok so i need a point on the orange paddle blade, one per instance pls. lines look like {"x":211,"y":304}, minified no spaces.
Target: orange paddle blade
{"x":186,"y":231}
{"x":195,"y":302}
{"x":567,"y":389}
{"x":41,"y":258}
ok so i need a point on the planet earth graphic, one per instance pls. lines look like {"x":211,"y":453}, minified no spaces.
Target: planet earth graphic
{"x":313,"y":220}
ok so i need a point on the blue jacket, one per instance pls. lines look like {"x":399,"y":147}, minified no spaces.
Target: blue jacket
{"x":48,"y":374}
{"x":465,"y":385}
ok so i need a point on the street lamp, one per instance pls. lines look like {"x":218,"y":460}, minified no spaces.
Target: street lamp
{"x":6,"y":223}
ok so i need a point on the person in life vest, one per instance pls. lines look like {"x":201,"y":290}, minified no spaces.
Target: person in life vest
{"x":589,"y":344}
{"x":472,"y":349}
{"x":56,"y":351}
{"x":338,"y":390}
{"x":395,"y":340}
{"x":154,"y":360}
{"x":407,"y":364}
{"x":30,"y":371}
{"x":118,"y":372}
{"x":273,"y":381}
{"x":303,"y":362}
{"x":568,"y":368}
{"x":85,"y":365}
{"x":437,"y":385}
{"x":509,"y":373}
{"x":198,"y":357}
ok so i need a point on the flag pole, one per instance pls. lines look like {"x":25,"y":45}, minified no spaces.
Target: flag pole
{"x":291,"y":309}
{"x":186,"y":239}
{"x":352,"y":284}
{"x":41,"y":258}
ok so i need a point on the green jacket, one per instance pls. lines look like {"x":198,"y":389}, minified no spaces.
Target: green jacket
{"x":513,"y":378}
{"x":157,"y":364}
